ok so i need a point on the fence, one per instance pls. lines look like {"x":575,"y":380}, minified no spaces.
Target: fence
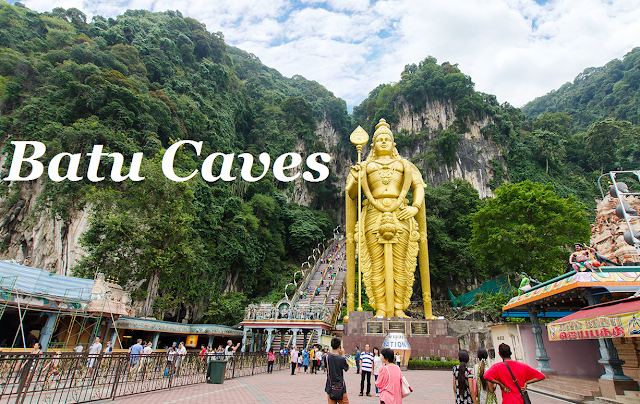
{"x":496,"y":285}
{"x":79,"y":378}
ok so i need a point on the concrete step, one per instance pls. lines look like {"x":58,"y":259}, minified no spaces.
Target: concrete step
{"x":590,"y":383}
{"x":632,"y":394}
{"x":559,"y":393}
{"x":627,"y":399}
{"x":620,"y":399}
{"x":577,"y":387}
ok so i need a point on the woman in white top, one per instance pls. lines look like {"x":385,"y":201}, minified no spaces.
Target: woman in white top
{"x":484,"y":389}
{"x":377,"y":365}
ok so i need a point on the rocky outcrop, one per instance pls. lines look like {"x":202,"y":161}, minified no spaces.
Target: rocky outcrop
{"x":32,"y":236}
{"x":473,"y":152}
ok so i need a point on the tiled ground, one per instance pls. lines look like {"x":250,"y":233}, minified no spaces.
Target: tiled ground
{"x":430,"y":386}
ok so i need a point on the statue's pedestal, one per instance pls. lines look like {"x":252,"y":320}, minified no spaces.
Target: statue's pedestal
{"x":426,"y":337}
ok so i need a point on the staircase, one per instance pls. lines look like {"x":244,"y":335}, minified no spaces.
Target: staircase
{"x":577,"y":389}
{"x":327,"y":281}
{"x":629,"y":397}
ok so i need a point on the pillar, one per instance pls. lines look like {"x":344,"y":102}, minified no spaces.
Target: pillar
{"x":269,"y":338}
{"x":294,"y":340}
{"x":47,"y":331}
{"x":541,"y":352}
{"x":253,"y":341}
{"x":319,"y":341}
{"x":156,"y":337}
{"x":114,"y":336}
{"x":210,"y":343}
{"x":244,"y":338}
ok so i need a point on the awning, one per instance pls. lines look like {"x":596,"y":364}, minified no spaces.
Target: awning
{"x":615,"y":319}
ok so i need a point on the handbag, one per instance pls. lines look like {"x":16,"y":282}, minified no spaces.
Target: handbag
{"x":523,"y":394}
{"x":336,"y":389}
{"x":406,"y":388}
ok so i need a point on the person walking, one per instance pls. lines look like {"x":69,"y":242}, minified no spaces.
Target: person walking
{"x":318,"y":359}
{"x":300,"y":360}
{"x":135,"y":351}
{"x":357,"y":358}
{"x":509,"y":372}
{"x":484,"y":390}
{"x":305,"y":360}
{"x":94,"y":352}
{"x":462,"y":380}
{"x":335,"y":386}
{"x":389,"y":379}
{"x":377,"y":365}
{"x":366,"y":367}
{"x":271,"y":358}
{"x":294,"y":359}
{"x":312,"y":353}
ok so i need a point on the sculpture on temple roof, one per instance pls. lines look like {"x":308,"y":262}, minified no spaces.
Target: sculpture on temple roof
{"x":583,"y":258}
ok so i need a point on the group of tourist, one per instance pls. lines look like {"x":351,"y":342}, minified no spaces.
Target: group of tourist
{"x":309,"y":360}
{"x":476,"y":385}
{"x":387,"y":375}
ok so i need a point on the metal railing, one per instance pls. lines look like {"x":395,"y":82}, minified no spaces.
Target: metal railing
{"x":79,"y":378}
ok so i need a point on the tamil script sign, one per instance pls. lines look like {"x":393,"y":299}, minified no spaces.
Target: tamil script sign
{"x":612,"y":326}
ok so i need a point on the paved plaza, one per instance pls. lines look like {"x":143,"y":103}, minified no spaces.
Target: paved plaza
{"x":430,"y":386}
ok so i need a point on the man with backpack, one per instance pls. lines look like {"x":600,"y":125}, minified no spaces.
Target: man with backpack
{"x":336,"y":366}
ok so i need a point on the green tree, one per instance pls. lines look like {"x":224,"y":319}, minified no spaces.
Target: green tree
{"x":142,"y":233}
{"x":527,"y":227}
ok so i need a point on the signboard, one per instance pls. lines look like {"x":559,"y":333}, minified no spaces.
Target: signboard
{"x":614,"y":326}
{"x":192,"y":341}
{"x":397,"y":326}
{"x":375,"y":327}
{"x":396,"y":341}
{"x":419,"y":328}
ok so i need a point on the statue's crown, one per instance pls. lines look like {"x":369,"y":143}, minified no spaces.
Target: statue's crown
{"x":382,"y":127}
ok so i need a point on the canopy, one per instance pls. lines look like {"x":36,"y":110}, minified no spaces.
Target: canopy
{"x":615,"y":319}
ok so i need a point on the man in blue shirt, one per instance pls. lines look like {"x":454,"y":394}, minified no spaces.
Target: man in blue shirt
{"x":135,"y":351}
{"x":357,"y":359}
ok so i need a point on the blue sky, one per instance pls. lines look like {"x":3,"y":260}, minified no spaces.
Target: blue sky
{"x":515,"y":49}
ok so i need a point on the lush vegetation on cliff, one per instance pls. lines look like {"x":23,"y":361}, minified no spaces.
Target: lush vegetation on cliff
{"x":136,"y":84}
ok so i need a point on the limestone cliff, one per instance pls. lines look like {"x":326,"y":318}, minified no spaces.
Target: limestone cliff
{"x":473,"y":151}
{"x":32,"y":236}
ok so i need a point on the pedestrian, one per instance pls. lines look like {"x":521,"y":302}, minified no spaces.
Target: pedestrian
{"x":312,"y":364}
{"x":300,"y":361}
{"x":171,"y":360}
{"x":108,"y":350}
{"x":79,"y":348}
{"x":318,"y":359}
{"x":230,"y":349}
{"x":483,"y":390}
{"x":366,"y":367}
{"x":134,"y":352}
{"x":335,"y":386}
{"x":94,"y":352}
{"x":305,"y":360}
{"x":271,"y":358}
{"x":294,"y":359}
{"x":203,"y":352}
{"x":389,"y":379}
{"x":509,"y":372}
{"x":377,"y":365}
{"x":180,"y":355}
{"x":357,"y":358}
{"x":398,"y":358}
{"x":462,"y":380}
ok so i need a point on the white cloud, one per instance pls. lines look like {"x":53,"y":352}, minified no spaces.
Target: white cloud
{"x":516,"y":49}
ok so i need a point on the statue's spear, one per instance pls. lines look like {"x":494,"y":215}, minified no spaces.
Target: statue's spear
{"x":359,"y":138}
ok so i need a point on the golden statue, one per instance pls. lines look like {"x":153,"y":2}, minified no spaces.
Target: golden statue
{"x":395,"y":233}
